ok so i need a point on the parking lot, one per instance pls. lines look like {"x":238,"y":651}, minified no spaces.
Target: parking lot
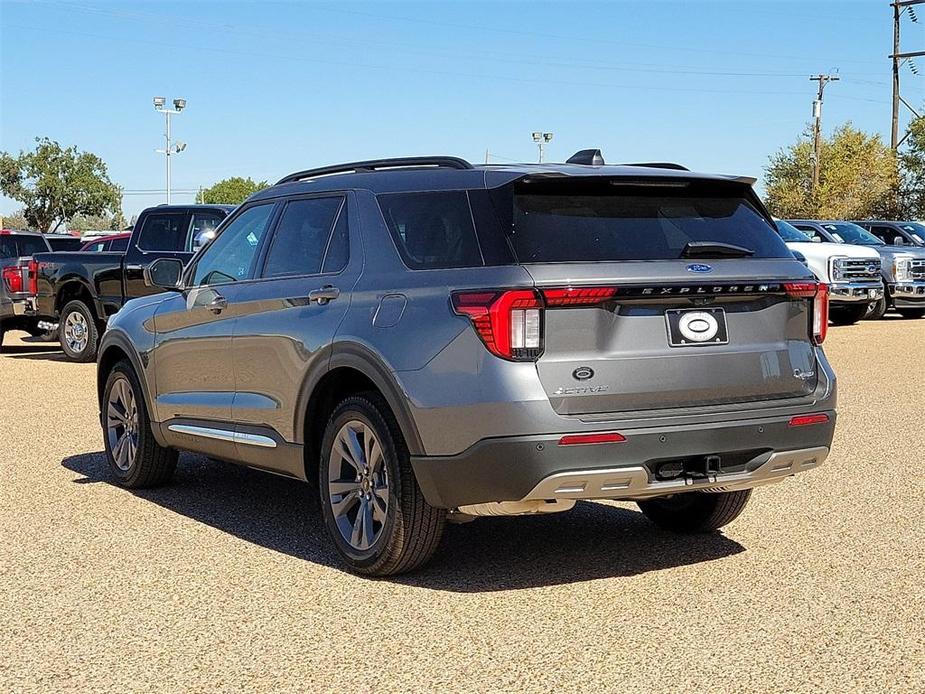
{"x":225,"y":581}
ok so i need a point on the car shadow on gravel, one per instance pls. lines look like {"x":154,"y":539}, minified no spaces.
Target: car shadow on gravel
{"x":590,"y":542}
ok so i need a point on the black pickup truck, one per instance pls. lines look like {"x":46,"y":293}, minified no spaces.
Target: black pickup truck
{"x":78,"y":292}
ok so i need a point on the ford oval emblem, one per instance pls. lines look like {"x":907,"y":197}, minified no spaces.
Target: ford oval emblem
{"x":699,"y":267}
{"x":583,"y":373}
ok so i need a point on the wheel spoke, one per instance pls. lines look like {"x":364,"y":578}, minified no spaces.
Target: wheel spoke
{"x":116,"y":418}
{"x":375,"y":457}
{"x":347,"y":453}
{"x":356,"y":450}
{"x":119,"y":452}
{"x":368,"y":533}
{"x":344,"y":503}
{"x":357,"y":537}
{"x":342,"y":487}
{"x":379,"y":503}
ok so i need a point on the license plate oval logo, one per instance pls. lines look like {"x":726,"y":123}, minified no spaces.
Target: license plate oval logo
{"x":693,"y":327}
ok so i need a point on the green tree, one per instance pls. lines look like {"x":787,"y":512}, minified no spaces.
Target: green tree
{"x":858,"y":178}
{"x":95,"y":222}
{"x":54,"y":184}
{"x":912,"y":162}
{"x":14,"y":220}
{"x":231,"y":191}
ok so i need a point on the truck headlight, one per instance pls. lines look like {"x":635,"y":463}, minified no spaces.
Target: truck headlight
{"x":835,"y":269}
{"x":902,"y":269}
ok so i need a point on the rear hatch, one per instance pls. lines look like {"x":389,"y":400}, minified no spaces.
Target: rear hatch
{"x":661,"y":295}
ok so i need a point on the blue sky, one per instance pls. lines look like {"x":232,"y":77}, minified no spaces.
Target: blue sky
{"x":273,"y":88}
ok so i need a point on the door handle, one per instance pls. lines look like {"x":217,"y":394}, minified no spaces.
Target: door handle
{"x":324,"y":294}
{"x":218,"y":304}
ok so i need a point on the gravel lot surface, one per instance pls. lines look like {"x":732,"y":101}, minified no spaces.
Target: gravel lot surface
{"x":225,"y":581}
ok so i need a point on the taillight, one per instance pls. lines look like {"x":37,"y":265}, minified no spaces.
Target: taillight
{"x":33,"y":276}
{"x":578,"y":296}
{"x":12,"y":278}
{"x":510,"y":323}
{"x":819,"y":293}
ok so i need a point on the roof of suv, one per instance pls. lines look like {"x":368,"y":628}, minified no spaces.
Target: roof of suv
{"x":451,"y":173}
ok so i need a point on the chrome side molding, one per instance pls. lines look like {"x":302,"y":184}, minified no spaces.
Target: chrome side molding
{"x":223,"y":435}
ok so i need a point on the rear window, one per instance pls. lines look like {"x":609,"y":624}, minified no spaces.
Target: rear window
{"x":13,"y":246}
{"x":597,"y":221}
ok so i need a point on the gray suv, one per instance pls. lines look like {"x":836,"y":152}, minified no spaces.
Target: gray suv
{"x":425,"y":340}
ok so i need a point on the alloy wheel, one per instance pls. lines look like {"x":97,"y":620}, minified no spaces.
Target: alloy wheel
{"x":122,"y":423}
{"x":358,"y":485}
{"x":76,"y":332}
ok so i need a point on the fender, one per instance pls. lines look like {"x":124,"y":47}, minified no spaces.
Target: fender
{"x":363,"y":359}
{"x":72,"y":279}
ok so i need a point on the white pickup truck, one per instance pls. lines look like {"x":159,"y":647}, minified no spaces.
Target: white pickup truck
{"x":852,"y":272}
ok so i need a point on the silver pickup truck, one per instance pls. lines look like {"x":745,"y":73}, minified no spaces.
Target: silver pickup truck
{"x":902,"y":267}
{"x":16,"y":250}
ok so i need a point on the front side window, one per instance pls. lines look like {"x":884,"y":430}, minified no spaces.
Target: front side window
{"x":301,"y":238}
{"x":432,"y":230}
{"x":231,"y":257}
{"x":163,"y":232}
{"x":202,"y":229}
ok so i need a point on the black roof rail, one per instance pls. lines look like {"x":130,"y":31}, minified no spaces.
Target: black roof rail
{"x":660,"y":165}
{"x":377,"y":165}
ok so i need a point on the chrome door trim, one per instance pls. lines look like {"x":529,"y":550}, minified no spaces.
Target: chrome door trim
{"x":223,"y":435}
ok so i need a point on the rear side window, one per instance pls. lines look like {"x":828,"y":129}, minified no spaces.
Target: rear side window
{"x":119,"y":244}
{"x":432,"y":230}
{"x":301,"y":237}
{"x":163,"y":232}
{"x":599,"y":221}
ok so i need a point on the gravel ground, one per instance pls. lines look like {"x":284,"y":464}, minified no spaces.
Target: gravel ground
{"x":224,"y":580}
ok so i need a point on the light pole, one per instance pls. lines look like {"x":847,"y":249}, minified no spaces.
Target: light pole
{"x":177,"y":147}
{"x":542,"y":139}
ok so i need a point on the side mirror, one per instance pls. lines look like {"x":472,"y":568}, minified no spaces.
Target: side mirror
{"x":164,"y":273}
{"x":899,"y":241}
{"x":816,"y":239}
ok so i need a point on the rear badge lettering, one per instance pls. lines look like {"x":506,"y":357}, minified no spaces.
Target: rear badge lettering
{"x":581,"y":390}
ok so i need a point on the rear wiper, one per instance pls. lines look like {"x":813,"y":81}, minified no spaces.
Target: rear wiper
{"x":714,"y":249}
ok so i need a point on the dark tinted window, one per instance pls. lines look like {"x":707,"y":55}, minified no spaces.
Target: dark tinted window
{"x":888,"y":234}
{"x":301,"y":237}
{"x":14,"y":246}
{"x":118,"y":244}
{"x":788,"y":232}
{"x":432,"y":230}
{"x":163,"y":232}
{"x":64,"y":243}
{"x":586,"y":221}
{"x":338,"y":252}
{"x":231,"y":256}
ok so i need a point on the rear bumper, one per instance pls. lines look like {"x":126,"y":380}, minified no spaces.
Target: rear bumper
{"x":751,"y":452}
{"x":854,"y":292}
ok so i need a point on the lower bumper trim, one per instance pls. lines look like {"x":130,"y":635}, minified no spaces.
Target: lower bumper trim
{"x":634,"y":482}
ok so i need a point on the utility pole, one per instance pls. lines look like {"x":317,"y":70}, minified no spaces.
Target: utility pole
{"x":541,"y":139}
{"x":817,"y":122}
{"x":900,"y":7}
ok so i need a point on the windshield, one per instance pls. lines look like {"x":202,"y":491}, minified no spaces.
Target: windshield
{"x":915,"y":230}
{"x":788,"y":232}
{"x":587,"y":221}
{"x":846,"y":232}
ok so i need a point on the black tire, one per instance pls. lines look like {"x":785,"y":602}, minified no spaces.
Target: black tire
{"x":911,"y":312}
{"x":88,"y":353}
{"x":153,"y":465}
{"x":412,"y":528}
{"x":847,"y":315}
{"x":695,"y":512}
{"x":876,"y":309}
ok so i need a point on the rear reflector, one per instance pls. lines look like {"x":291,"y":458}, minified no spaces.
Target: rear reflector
{"x":807,"y":419}
{"x":584,"y":439}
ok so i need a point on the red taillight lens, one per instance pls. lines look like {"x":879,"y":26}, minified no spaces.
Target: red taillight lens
{"x":585,"y":439}
{"x":33,"y":277}
{"x":807,"y":419}
{"x":510,"y":323}
{"x":819,"y":293}
{"x":578,"y":296}
{"x":12,"y":278}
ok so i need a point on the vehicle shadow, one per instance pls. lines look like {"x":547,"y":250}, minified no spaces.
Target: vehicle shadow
{"x":590,"y":542}
{"x":34,"y":353}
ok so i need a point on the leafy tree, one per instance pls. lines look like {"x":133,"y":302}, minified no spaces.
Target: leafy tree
{"x":231,"y":191}
{"x":55,"y":184}
{"x":92,"y":222}
{"x":912,"y":160}
{"x":858,"y":178}
{"x":16,"y":220}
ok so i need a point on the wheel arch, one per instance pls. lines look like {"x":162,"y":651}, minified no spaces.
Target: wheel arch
{"x":75,"y":288}
{"x":114,"y":347}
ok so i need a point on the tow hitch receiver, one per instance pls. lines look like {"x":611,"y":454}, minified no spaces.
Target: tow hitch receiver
{"x":703,"y":466}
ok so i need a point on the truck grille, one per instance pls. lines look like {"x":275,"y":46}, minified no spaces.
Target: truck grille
{"x":856,"y":270}
{"x":917,"y":269}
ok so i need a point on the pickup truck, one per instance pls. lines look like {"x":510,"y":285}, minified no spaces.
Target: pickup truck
{"x":902,"y":267}
{"x":896,"y":233}
{"x":76,"y":292}
{"x":16,"y":250}
{"x":852,"y":272}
